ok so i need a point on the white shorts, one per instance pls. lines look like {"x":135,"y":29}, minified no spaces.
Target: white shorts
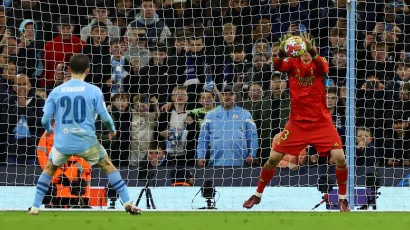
{"x":93,"y":155}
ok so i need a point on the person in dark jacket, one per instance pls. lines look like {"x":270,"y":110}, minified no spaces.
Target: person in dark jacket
{"x":29,"y":50}
{"x":121,"y":114}
{"x":158,"y":78}
{"x":21,"y":114}
{"x":97,"y":50}
{"x":397,"y":142}
{"x":366,"y":155}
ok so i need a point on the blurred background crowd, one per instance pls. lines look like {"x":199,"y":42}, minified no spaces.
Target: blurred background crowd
{"x":164,"y":64}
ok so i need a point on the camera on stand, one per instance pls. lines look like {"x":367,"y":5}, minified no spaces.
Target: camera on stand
{"x":208,"y":192}
{"x":325,"y":186}
{"x":373,"y":182}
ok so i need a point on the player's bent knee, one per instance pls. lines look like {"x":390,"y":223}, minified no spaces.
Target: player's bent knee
{"x":338,"y":156}
{"x":50,"y":169}
{"x":106,"y":165}
{"x":275,"y":157}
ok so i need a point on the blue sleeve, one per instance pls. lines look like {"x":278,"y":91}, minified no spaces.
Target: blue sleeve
{"x":100,"y":106}
{"x":251,"y":135}
{"x":203,"y":140}
{"x":108,"y":122}
{"x":49,"y":110}
{"x":101,"y":109}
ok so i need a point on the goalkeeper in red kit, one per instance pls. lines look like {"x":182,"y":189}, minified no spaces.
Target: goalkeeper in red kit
{"x":309,"y":123}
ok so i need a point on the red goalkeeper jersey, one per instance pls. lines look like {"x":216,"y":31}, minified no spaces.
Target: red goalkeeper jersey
{"x":307,"y":91}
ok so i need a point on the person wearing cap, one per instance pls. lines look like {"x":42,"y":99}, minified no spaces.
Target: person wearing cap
{"x":228,"y":133}
{"x":397,"y":141}
{"x":272,"y":113}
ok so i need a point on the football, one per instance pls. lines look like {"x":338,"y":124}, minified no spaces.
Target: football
{"x":295,"y":46}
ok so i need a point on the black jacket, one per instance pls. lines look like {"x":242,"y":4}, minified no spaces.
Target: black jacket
{"x":10,"y":113}
{"x":157,"y":80}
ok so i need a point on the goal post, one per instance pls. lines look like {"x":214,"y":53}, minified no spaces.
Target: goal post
{"x":165,"y":68}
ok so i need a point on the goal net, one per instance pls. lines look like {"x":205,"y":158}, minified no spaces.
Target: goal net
{"x":163,"y":65}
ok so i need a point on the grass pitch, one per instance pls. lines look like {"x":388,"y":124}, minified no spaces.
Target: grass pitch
{"x":205,"y":221}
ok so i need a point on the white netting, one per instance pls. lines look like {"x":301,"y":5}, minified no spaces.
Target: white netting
{"x":161,"y":65}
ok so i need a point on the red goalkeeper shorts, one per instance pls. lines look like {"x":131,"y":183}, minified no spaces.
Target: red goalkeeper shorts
{"x":323,"y":136}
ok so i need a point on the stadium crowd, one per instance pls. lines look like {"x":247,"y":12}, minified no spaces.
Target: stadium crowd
{"x":164,"y":64}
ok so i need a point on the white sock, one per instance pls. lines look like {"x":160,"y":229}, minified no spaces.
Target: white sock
{"x":258,"y":194}
{"x":342,"y":197}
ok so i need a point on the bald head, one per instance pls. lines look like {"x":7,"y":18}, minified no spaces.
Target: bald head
{"x":22,"y":84}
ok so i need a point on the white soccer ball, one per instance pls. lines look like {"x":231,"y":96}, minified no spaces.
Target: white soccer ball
{"x":295,"y":47}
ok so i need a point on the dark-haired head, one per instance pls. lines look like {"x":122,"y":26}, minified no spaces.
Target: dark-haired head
{"x":79,"y":65}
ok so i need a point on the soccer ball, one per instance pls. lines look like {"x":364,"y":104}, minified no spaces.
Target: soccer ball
{"x":295,"y":46}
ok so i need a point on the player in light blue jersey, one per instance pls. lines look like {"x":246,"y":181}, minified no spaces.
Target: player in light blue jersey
{"x":75,"y":105}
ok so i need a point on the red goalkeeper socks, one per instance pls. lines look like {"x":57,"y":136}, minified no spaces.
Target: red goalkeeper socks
{"x":266,"y":176}
{"x":341,"y":176}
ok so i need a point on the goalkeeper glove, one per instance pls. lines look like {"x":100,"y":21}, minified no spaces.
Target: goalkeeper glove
{"x":282,"y":42}
{"x":309,"y":45}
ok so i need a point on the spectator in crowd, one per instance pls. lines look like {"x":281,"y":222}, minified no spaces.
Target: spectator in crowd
{"x":137,"y":46}
{"x":271,"y":114}
{"x":369,"y":105}
{"x":115,"y":68}
{"x":35,"y":10}
{"x":177,"y":54}
{"x":59,"y":74}
{"x":121,"y":114}
{"x":195,"y":119}
{"x":97,"y":50}
{"x":100,"y":15}
{"x":401,"y":77}
{"x":400,"y":102}
{"x":124,"y":9}
{"x":29,"y":50}
{"x":196,"y":69}
{"x":172,"y":129}
{"x":262,"y":46}
{"x":366,"y":155}
{"x":176,"y":14}
{"x":22,"y":112}
{"x":151,"y":160}
{"x":397,"y":142}
{"x":293,"y":13}
{"x":142,"y":126}
{"x":238,"y":66}
{"x":239,"y":13}
{"x":255,"y":95}
{"x":338,"y":67}
{"x":157,"y":30}
{"x":158,"y":78}
{"x":337,"y":112}
{"x":259,"y":72}
{"x":11,"y":46}
{"x":4,"y":32}
{"x":230,"y":134}
{"x":263,"y":30}
{"x":60,"y":49}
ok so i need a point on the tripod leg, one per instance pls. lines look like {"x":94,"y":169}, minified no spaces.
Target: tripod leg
{"x":139,"y":197}
{"x":151,"y":199}
{"x":147,"y":198}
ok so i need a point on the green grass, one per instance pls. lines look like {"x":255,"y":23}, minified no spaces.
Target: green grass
{"x":204,"y":221}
